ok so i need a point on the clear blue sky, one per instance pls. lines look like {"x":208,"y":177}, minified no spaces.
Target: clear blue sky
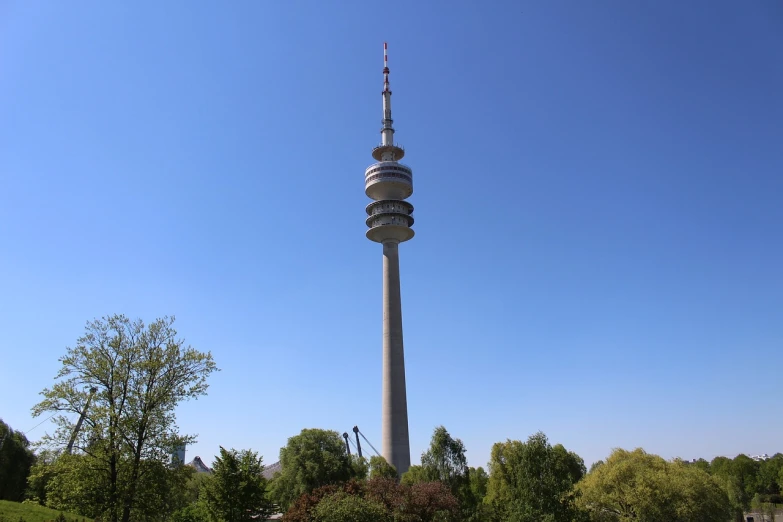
{"x":598,"y":250}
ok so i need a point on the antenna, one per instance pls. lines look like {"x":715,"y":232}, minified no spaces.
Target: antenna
{"x":386,"y":69}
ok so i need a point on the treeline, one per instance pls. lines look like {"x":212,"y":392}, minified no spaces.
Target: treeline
{"x":529,"y":480}
{"x":127,"y":378}
{"x":749,"y":484}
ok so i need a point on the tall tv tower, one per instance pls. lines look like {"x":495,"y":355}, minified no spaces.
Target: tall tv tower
{"x":389,"y":183}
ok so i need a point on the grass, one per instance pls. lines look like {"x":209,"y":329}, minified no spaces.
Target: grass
{"x":14,"y":511}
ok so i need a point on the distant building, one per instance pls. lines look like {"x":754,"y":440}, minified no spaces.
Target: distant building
{"x":199,"y":465}
{"x":269,"y":471}
{"x":178,"y":456}
{"x":760,"y":458}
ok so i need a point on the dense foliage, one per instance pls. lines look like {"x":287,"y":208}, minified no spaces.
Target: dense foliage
{"x":379,"y":468}
{"x":16,"y":459}
{"x":533,"y":480}
{"x":637,"y":486}
{"x":237,"y":491}
{"x":377,"y":499}
{"x":312,"y":459}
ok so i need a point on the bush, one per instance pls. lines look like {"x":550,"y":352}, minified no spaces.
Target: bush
{"x":191,"y":513}
{"x":342,"y":507}
{"x":424,"y":502}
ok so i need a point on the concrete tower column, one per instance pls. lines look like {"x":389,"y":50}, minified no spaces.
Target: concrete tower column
{"x":396,"y":445}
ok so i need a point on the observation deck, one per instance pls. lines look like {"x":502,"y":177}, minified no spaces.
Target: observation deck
{"x":388,"y":180}
{"x":389,"y":219}
{"x":384,"y":152}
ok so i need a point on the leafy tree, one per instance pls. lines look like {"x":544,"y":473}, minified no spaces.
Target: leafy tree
{"x":141,"y":374}
{"x":768,"y":474}
{"x":479,"y":480}
{"x":702,"y":465}
{"x":416,"y":475}
{"x":73,"y":484}
{"x":237,"y":491}
{"x":720,"y":466}
{"x":360,"y":467}
{"x":745,"y":470}
{"x":780,"y":479}
{"x":445,"y":459}
{"x":196,"y":485}
{"x":40,"y":475}
{"x":16,"y":459}
{"x":195,"y":512}
{"x":445,"y":462}
{"x":312,"y":459}
{"x":533,"y":480}
{"x":738,"y":477}
{"x":595,"y":465}
{"x":472,"y":501}
{"x":379,"y":468}
{"x":637,"y":486}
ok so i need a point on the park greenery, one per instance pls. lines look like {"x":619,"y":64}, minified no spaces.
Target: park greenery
{"x":129,"y":377}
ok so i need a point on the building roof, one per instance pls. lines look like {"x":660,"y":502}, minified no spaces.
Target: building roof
{"x":199,"y":465}
{"x":269,"y":471}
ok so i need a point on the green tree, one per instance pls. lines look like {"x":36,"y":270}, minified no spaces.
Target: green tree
{"x":72,"y":483}
{"x":780,"y":479}
{"x":768,"y":474}
{"x":195,"y":486}
{"x":720,"y":466}
{"x":634,"y":486}
{"x":533,"y":480}
{"x":141,"y":374}
{"x":416,"y":475}
{"x":191,"y":513}
{"x":380,"y":468}
{"x":595,"y":465}
{"x":738,"y":477}
{"x":479,"y":481}
{"x":745,"y":470}
{"x":360,"y":467}
{"x":40,"y":475}
{"x":445,"y":459}
{"x":312,"y":459}
{"x":237,"y":491}
{"x":472,"y":503}
{"x":702,"y":465}
{"x":16,"y":459}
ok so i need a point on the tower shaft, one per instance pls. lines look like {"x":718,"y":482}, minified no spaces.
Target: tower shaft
{"x":396,"y":444}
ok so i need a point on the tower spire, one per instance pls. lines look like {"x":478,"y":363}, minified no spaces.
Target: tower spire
{"x":387,"y":132}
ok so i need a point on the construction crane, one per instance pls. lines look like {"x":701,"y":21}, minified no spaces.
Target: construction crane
{"x":78,"y":426}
